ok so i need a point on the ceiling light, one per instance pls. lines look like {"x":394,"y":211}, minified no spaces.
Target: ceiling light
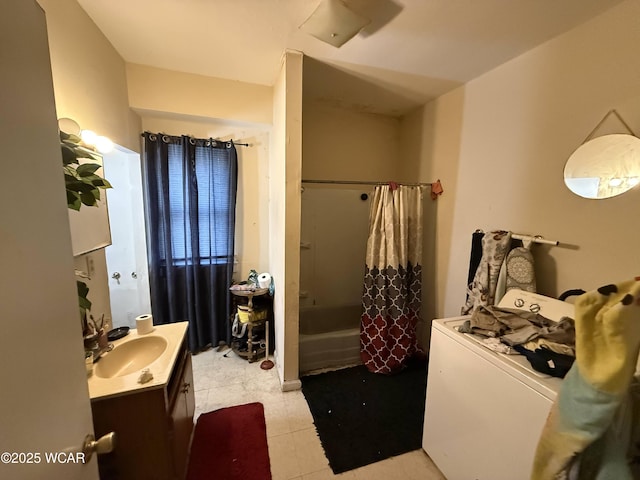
{"x":334,"y":23}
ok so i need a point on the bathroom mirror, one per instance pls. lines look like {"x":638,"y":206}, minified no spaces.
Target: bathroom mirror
{"x":604,"y":167}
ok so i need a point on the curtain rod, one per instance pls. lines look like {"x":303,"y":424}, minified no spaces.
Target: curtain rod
{"x":362,"y":182}
{"x":221,"y":141}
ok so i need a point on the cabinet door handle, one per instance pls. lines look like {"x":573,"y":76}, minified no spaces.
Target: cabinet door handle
{"x":185,"y":387}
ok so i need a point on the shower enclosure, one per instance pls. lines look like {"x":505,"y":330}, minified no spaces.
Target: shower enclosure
{"x":333,"y":241}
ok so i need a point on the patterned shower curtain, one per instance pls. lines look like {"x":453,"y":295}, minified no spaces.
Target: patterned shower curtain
{"x":393,"y":279}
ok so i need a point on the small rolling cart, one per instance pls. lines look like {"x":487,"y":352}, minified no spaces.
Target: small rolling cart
{"x":252,"y":323}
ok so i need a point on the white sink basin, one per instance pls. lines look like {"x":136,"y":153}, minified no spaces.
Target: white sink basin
{"x":130,"y":357}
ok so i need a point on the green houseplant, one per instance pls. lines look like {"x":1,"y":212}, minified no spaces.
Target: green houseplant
{"x":82,"y":182}
{"x":83,"y":302}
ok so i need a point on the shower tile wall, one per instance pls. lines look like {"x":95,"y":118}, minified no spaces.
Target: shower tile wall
{"x":333,"y":240}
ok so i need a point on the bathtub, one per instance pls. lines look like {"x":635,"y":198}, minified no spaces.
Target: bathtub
{"x":329,"y":337}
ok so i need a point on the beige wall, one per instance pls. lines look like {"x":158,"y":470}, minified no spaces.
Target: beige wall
{"x":433,"y":132}
{"x":499,"y":145}
{"x":277,"y":212}
{"x":159,"y":90}
{"x":343,"y":144}
{"x":89,"y":76}
{"x":285,"y":170}
{"x":90,"y":86}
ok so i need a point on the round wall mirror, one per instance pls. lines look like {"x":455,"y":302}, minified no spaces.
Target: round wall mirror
{"x":604,"y":167}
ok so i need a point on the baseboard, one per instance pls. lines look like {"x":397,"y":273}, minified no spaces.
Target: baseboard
{"x":291,"y":385}
{"x":285,"y":385}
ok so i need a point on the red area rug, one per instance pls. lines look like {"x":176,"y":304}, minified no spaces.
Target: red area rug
{"x":230,"y":444}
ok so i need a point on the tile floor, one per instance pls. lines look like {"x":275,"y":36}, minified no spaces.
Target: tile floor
{"x":294,"y":447}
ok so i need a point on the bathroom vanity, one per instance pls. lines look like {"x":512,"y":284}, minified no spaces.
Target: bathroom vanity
{"x":153,"y":421}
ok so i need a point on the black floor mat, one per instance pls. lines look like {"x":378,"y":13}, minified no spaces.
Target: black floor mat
{"x":362,"y":417}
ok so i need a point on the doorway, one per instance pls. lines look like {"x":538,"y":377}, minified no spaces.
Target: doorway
{"x":127,"y":255}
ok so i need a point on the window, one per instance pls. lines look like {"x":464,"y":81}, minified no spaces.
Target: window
{"x":200,"y":205}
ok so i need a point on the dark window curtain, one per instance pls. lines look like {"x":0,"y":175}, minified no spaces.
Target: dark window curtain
{"x":190,"y":207}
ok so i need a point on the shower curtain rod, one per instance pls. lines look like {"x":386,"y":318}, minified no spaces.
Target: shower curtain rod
{"x":362,"y":182}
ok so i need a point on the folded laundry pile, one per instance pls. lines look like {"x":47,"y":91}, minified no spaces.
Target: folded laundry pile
{"x":549,"y":346}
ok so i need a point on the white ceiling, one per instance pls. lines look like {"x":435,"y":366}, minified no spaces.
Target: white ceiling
{"x":411,"y":52}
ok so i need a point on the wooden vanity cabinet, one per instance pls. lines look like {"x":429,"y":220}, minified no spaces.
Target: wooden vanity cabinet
{"x":153,"y":428}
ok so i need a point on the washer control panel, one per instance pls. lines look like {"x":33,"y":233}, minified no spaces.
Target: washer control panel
{"x":548,"y":307}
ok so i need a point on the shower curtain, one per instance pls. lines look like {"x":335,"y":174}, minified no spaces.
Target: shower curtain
{"x":393,"y":279}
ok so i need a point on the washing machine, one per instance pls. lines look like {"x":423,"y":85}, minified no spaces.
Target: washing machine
{"x":485,"y":410}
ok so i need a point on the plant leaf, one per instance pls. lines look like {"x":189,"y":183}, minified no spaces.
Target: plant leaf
{"x":84,"y":303}
{"x":69,"y":179}
{"x":100,"y":182}
{"x":68,"y":155}
{"x":82,"y":183}
{"x":80,"y":186}
{"x":73,"y":200}
{"x":91,"y":179}
{"x":73,"y":138}
{"x":82,"y":288}
{"x":87,"y":169}
{"x":88,"y":199}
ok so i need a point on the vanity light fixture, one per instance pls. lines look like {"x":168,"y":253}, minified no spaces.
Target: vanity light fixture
{"x":628,"y":181}
{"x":103,"y":144}
{"x":89,"y":137}
{"x":615,"y":182}
{"x":334,"y":23}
